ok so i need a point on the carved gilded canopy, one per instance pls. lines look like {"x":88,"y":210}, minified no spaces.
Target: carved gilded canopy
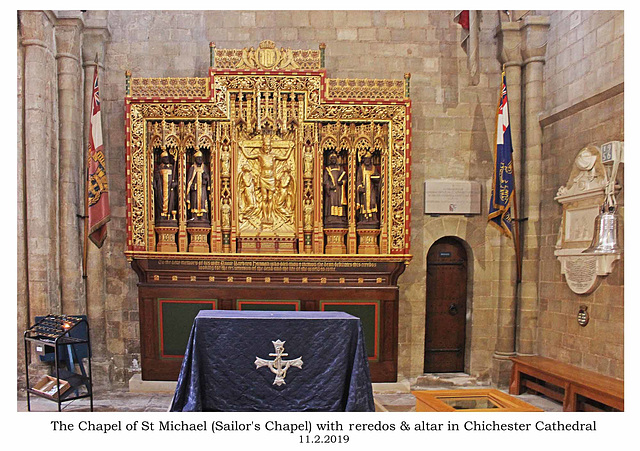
{"x":267,"y":155}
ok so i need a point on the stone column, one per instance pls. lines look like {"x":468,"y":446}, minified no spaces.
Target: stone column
{"x":38,"y":277}
{"x":534,"y":45}
{"x":509,"y":54}
{"x":68,"y":39}
{"x":93,"y":42}
{"x":39,"y":154}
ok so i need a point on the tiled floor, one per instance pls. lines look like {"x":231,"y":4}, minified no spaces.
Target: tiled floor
{"x":125,"y":401}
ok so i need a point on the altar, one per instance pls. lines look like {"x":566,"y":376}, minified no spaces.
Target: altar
{"x":274,"y":361}
{"x":267,"y":185}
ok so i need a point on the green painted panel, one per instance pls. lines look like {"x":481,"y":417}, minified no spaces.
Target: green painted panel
{"x":176,"y":318}
{"x":268,"y":305}
{"x":366,"y":311}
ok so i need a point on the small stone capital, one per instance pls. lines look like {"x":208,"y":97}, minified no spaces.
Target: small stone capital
{"x":93,"y":42}
{"x":35,"y":27}
{"x":534,"y":37}
{"x":509,"y":43}
{"x":68,"y":35}
{"x":69,"y":16}
{"x":96,"y":18}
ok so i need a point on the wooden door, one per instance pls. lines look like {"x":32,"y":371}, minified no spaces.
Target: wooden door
{"x":446,"y":307}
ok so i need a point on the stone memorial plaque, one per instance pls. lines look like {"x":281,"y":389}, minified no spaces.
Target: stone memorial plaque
{"x":581,"y":273}
{"x":452,"y":197}
{"x":579,"y":224}
{"x":581,"y":199}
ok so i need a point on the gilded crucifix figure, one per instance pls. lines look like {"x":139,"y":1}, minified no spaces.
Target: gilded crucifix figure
{"x":267,"y":151}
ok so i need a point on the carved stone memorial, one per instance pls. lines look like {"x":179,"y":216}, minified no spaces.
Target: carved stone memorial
{"x":582,"y":199}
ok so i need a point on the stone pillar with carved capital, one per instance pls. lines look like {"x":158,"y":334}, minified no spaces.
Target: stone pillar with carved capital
{"x":39,"y":291}
{"x":534,"y":44}
{"x":68,"y":35}
{"x":509,"y":54}
{"x":39,"y":152}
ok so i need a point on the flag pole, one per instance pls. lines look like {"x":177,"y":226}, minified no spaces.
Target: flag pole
{"x":516,"y":236}
{"x":86,"y":219}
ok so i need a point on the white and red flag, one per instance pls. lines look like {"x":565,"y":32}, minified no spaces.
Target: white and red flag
{"x":462,"y":19}
{"x":97,"y":185}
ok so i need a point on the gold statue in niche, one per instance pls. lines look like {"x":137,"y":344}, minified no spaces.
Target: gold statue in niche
{"x":198,"y":187}
{"x":266,"y":184}
{"x":164,"y":184}
{"x":335,"y":193}
{"x":367,"y":189}
{"x":285,"y":193}
{"x":247,"y":193}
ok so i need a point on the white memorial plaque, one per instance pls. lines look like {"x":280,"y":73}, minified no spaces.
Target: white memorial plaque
{"x":452,"y":197}
{"x":581,"y":274}
{"x":579,"y":224}
{"x":581,"y":200}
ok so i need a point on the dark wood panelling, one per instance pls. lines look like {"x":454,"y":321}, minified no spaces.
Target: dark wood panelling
{"x":378,"y":285}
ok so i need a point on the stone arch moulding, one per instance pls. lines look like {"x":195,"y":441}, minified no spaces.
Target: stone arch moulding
{"x":471,"y":236}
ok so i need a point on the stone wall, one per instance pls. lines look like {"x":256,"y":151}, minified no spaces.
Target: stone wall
{"x":584,"y":105}
{"x":453,"y":131}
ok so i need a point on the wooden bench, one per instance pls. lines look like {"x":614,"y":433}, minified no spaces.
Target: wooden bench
{"x":572,"y":386}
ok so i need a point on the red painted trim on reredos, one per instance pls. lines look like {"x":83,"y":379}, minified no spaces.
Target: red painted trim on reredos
{"x":127,"y":145}
{"x":295,"y":303}
{"x":409,"y":139}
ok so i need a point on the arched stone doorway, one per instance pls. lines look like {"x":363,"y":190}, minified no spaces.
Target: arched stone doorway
{"x":446,"y":305}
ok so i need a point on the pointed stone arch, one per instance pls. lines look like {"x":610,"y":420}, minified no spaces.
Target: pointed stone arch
{"x":483,"y":256}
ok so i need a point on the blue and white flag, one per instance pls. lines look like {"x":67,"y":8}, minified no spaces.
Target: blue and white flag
{"x":503,"y":187}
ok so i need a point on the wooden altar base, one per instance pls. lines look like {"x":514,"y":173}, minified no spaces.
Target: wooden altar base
{"x":172,"y":290}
